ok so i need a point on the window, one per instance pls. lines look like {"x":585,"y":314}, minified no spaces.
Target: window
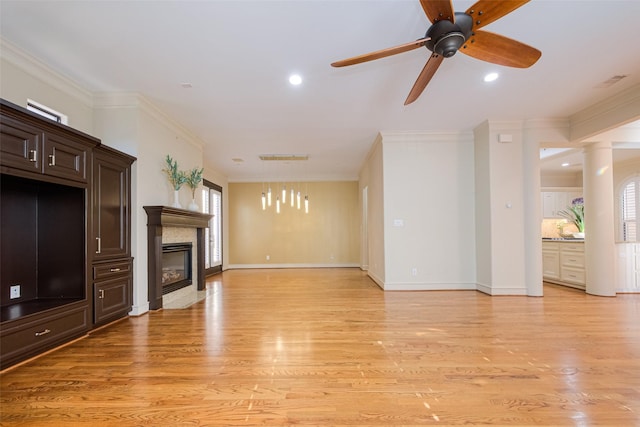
{"x":212,"y":204}
{"x":47,"y":112}
{"x":630,"y":209}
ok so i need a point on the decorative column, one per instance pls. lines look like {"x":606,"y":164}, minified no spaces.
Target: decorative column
{"x":599,"y":219}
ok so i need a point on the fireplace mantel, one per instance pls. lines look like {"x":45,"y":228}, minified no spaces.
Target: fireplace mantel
{"x":174,"y":217}
{"x":165,"y":216}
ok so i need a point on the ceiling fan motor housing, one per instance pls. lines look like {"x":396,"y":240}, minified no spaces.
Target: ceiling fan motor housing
{"x":446,"y":37}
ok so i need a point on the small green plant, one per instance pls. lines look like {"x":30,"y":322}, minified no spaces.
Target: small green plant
{"x":575,"y":213}
{"x":176,"y":177}
{"x":194,"y":176}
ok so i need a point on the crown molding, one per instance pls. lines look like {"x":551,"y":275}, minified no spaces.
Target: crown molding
{"x":134,"y":100}
{"x":617,"y":110}
{"x":41,"y":71}
{"x":425,"y":136}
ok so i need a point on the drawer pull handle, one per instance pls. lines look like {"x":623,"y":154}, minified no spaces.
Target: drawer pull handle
{"x":45,"y":332}
{"x":114,"y":270}
{"x":101,"y":294}
{"x":52,"y":159}
{"x":33,"y":156}
{"x":99,"y":242}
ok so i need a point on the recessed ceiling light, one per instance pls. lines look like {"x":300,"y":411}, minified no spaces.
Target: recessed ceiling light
{"x":565,"y":164}
{"x":490,"y":77}
{"x":295,"y":79}
{"x":186,"y":85}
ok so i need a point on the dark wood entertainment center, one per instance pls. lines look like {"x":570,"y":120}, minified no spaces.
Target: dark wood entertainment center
{"x":65,"y":242}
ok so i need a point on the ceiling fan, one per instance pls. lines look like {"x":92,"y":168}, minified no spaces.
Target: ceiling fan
{"x":451,"y":32}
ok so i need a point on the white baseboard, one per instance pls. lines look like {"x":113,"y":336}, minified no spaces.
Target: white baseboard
{"x":417,"y":286}
{"x":248,"y":266}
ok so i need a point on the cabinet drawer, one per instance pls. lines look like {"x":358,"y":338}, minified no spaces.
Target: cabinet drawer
{"x":572,"y":247}
{"x":44,"y":332}
{"x":64,"y":158}
{"x":572,"y":259}
{"x":572,"y":275}
{"x":112,"y":269}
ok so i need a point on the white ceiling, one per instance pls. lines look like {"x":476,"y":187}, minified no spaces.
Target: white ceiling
{"x":238,"y":55}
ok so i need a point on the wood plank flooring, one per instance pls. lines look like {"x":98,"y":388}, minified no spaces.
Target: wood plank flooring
{"x":326,"y":347}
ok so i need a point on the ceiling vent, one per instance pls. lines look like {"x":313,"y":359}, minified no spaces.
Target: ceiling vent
{"x":283,"y":157}
{"x":611,"y":81}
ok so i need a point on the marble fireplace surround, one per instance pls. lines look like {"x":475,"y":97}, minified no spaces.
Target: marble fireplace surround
{"x":171,"y":225}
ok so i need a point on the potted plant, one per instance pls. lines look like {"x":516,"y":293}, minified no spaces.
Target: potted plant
{"x":193,"y":178}
{"x":575,"y":214}
{"x":176,"y":178}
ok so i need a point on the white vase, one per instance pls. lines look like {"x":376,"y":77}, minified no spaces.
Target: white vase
{"x":193,"y":206}
{"x":578,"y":235}
{"x":176,"y":199}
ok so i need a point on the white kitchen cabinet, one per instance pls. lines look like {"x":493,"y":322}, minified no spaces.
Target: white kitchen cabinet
{"x":555,"y":201}
{"x":550,"y":260}
{"x":563,"y":263}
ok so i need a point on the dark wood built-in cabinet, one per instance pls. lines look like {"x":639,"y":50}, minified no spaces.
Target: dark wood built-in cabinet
{"x":112,"y":271}
{"x":65,"y":254}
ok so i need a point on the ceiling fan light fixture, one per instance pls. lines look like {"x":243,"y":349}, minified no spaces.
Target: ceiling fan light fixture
{"x":449,"y":44}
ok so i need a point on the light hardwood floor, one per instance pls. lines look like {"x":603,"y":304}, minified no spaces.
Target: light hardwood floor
{"x":326,"y":347}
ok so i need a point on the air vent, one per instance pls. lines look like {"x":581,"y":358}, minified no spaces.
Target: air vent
{"x":611,"y":81}
{"x":283,"y":157}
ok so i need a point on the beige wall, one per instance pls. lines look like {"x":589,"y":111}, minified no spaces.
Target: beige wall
{"x":327,"y":235}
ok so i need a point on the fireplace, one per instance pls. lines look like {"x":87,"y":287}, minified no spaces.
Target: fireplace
{"x":176,"y":266}
{"x":171,"y":220}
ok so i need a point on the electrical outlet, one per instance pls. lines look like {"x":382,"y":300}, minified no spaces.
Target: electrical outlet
{"x":14,"y":292}
{"x":414,"y":271}
{"x":268,"y":257}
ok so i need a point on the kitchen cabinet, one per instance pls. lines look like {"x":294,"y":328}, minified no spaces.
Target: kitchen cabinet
{"x":553,"y":202}
{"x":550,"y":261}
{"x":563,"y":263}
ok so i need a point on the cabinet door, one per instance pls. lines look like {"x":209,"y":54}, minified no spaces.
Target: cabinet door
{"x":548,"y":204}
{"x":112,"y":299}
{"x":20,"y":145}
{"x":64,"y":158}
{"x":550,"y":265}
{"x":111,"y":210}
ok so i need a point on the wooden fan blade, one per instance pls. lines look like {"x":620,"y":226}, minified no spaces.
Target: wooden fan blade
{"x":437,"y":10}
{"x":425,"y":76}
{"x":381,"y":53}
{"x":500,"y":50}
{"x":485,"y":12}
